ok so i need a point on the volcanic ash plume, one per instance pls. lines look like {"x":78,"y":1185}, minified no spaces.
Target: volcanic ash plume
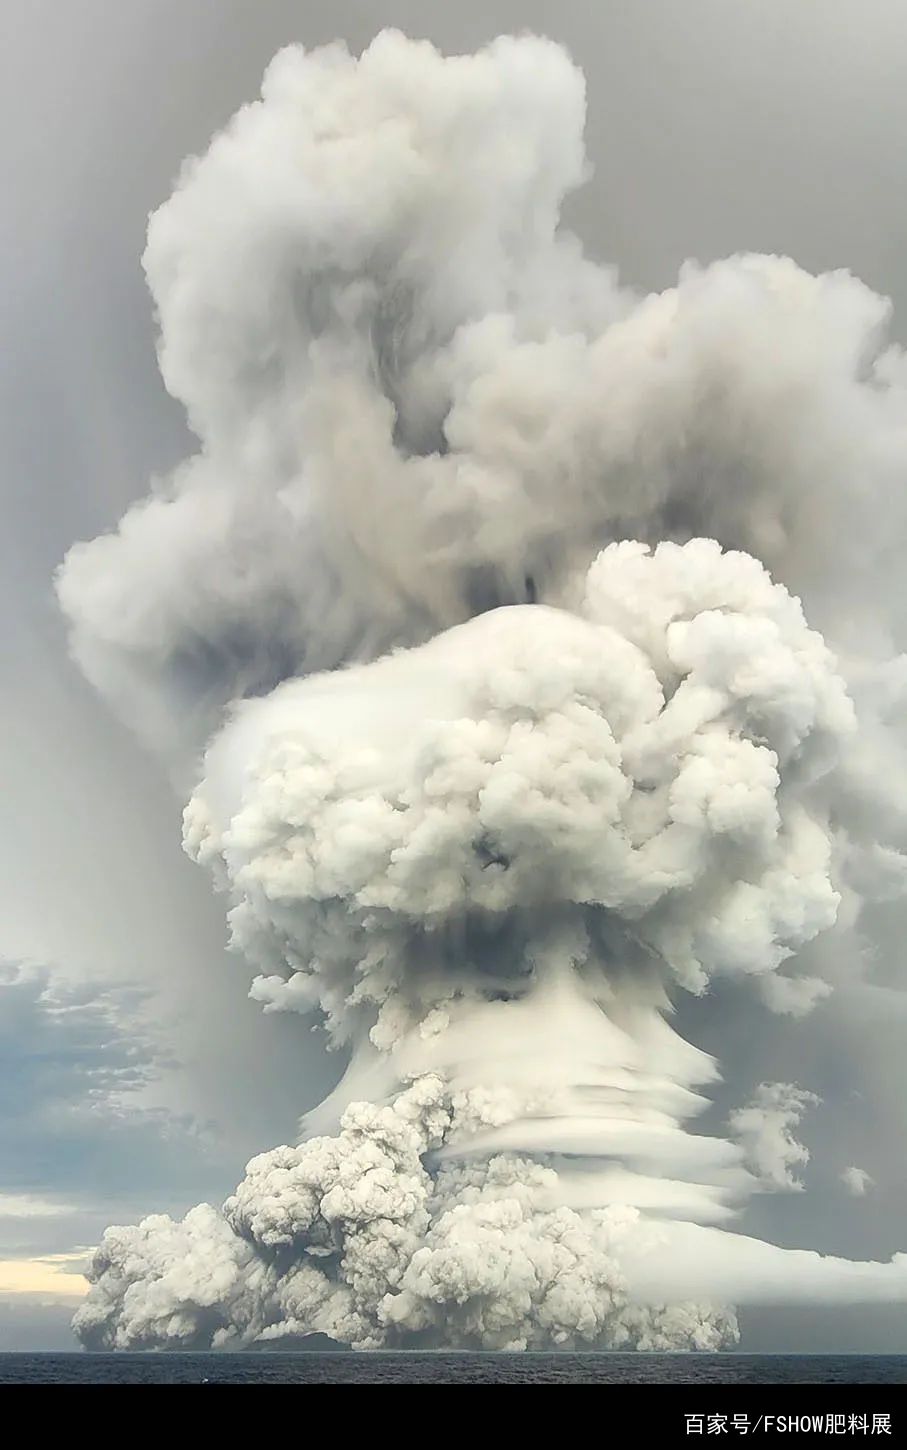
{"x":476,"y":604}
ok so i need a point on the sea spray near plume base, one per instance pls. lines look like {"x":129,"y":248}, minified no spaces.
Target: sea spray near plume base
{"x":608,"y":760}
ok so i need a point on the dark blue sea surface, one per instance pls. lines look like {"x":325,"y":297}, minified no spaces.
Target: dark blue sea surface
{"x":440,"y":1369}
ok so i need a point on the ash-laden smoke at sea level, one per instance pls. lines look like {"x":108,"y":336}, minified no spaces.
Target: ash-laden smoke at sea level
{"x":480,"y":605}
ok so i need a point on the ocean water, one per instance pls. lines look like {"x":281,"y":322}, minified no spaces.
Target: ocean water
{"x":475,"y":1369}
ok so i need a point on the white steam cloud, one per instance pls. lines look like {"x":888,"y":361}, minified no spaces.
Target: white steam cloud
{"x":857,"y":1181}
{"x":764,"y":1128}
{"x":480,"y":606}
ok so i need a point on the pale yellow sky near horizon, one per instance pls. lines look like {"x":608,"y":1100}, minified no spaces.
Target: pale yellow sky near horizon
{"x":48,"y":1275}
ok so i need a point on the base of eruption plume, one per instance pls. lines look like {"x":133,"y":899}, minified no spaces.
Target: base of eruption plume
{"x":421,"y":1223}
{"x":486,"y":839}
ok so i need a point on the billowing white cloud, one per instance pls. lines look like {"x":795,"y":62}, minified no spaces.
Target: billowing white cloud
{"x":857,"y":1181}
{"x":351,"y":1237}
{"x":625,"y":783}
{"x":480,"y":605}
{"x":765,"y":1130}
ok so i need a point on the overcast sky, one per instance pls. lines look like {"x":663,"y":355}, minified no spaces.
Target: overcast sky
{"x":134,"y":1075}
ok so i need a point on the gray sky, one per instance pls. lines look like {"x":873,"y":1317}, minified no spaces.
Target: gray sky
{"x":714,"y":126}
